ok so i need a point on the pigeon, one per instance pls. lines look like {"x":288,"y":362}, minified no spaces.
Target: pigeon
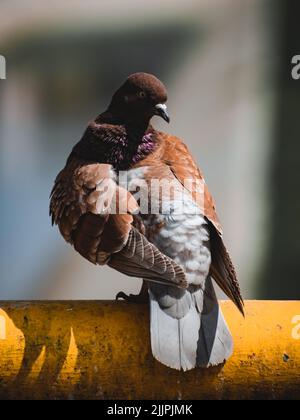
{"x":173,"y":242}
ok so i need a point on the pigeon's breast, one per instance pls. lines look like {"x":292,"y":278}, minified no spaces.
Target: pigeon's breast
{"x":182,"y":234}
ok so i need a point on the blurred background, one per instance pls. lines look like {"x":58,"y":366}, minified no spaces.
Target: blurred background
{"x":227,"y":66}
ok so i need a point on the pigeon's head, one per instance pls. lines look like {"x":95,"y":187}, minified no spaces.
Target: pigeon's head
{"x":140,"y":98}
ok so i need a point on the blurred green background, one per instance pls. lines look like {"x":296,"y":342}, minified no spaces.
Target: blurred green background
{"x":227,"y":66}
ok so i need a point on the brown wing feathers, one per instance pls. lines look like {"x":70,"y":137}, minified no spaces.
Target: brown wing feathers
{"x":77,"y":199}
{"x":139,"y":256}
{"x":223,"y":271}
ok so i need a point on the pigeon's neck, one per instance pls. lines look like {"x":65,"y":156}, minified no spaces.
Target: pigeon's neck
{"x":137,"y":143}
{"x":138,"y":140}
{"x":122,"y":145}
{"x":136,"y":152}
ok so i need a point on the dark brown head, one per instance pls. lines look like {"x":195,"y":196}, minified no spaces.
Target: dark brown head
{"x":140,"y":98}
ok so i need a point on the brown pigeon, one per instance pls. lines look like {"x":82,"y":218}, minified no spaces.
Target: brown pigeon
{"x":172,"y":240}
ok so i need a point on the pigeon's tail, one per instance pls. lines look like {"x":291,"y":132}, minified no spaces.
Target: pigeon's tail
{"x":187,"y":327}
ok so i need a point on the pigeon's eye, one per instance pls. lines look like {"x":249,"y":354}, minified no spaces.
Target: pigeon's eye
{"x":141,"y":94}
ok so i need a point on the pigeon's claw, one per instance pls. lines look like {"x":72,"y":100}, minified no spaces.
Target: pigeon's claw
{"x":142,"y":297}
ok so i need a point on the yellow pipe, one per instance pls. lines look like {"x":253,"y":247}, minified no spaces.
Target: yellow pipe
{"x":101,"y":350}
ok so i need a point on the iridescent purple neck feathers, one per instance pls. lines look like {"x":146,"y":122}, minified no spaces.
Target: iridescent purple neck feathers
{"x":146,"y":147}
{"x":126,"y":150}
{"x":118,"y":145}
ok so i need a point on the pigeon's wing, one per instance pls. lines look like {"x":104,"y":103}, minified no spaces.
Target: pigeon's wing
{"x":140,"y":258}
{"x":95,"y":215}
{"x":222,"y":269}
{"x":173,"y":152}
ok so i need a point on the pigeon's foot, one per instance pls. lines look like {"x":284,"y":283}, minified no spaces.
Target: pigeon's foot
{"x":142,"y":297}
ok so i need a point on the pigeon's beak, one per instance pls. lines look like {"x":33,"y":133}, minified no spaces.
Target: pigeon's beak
{"x":161,"y":110}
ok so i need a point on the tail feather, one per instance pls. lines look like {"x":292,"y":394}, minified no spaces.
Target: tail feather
{"x":184,"y":336}
{"x":215,"y":344}
{"x":173,"y":340}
